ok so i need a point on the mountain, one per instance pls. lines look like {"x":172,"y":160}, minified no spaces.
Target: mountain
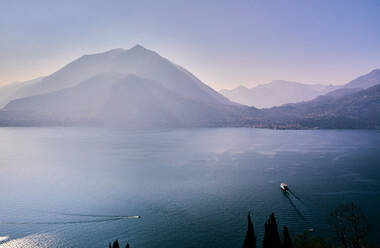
{"x":138,"y":61}
{"x":276,"y":93}
{"x":365,"y":81}
{"x":355,"y":108}
{"x":129,"y":88}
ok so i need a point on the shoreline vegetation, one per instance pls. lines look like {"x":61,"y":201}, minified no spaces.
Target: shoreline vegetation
{"x":348,"y":224}
{"x":349,"y":229}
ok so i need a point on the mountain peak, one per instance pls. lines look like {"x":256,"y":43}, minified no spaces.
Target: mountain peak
{"x":119,"y":51}
{"x":138,"y":47}
{"x":139,"y":50}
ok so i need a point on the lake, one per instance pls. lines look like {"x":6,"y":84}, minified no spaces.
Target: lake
{"x":74,"y":187}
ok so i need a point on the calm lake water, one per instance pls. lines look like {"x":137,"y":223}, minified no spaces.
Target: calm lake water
{"x":62,"y":187}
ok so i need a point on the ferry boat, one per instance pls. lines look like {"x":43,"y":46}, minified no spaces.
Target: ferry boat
{"x":284,"y":186}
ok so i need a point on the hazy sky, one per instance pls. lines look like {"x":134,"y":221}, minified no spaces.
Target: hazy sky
{"x":224,"y":43}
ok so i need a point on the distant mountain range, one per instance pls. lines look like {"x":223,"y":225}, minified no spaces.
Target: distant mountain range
{"x":140,"y":88}
{"x":276,"y":93}
{"x":347,"y":108}
{"x":282,"y":92}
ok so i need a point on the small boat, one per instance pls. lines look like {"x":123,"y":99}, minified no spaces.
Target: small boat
{"x":133,"y":217}
{"x":284,"y":186}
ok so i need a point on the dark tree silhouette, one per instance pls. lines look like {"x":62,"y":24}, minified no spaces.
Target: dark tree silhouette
{"x":250,"y":238}
{"x":350,"y":226}
{"x":287,"y":242}
{"x":116,"y":244}
{"x":271,"y":236}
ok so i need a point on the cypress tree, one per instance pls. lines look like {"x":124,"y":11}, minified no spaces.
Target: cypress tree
{"x":271,"y":236}
{"x":250,"y":238}
{"x":127,"y":246}
{"x":267,"y":236}
{"x":116,"y":244}
{"x":287,"y":242}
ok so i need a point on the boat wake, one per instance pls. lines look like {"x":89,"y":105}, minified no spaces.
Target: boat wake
{"x":295,"y":195}
{"x":60,"y":222}
{"x":94,"y":219}
{"x":299,"y":213}
{"x":299,"y":207}
{"x":94,"y":215}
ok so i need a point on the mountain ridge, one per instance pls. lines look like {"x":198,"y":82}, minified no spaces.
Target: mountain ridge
{"x":276,"y":93}
{"x":365,"y":81}
{"x":279,"y":92}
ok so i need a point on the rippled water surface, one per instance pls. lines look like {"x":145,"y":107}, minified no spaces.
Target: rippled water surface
{"x":72,"y":187}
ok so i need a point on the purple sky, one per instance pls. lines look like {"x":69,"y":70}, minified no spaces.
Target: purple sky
{"x":224,"y":43}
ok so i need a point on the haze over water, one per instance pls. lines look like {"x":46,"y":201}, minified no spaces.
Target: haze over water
{"x":72,"y":187}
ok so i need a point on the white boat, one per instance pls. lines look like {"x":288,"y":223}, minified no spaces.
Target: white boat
{"x":284,"y":186}
{"x":132,"y":217}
